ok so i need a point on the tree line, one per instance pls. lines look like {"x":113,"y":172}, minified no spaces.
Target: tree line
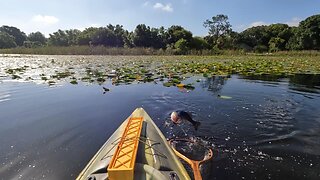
{"x":265,"y":38}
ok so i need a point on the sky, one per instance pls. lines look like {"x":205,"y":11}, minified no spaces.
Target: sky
{"x":48,"y":16}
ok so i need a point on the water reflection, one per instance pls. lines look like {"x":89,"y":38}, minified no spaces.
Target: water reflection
{"x":309,"y":83}
{"x":214,"y":84}
{"x":308,"y":80}
{"x":265,"y":77}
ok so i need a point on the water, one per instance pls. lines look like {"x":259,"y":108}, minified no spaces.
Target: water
{"x":269,"y":129}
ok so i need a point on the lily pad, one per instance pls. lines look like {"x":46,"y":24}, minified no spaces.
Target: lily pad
{"x":167,"y":84}
{"x":73,"y":82}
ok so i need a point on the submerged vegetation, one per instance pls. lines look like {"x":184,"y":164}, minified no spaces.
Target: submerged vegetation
{"x":168,"y":70}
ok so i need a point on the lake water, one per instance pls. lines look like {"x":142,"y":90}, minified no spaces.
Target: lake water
{"x":268,"y":129}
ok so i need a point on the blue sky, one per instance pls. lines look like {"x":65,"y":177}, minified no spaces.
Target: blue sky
{"x":48,"y":16}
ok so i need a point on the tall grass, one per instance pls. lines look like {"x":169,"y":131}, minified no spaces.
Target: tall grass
{"x":101,"y":50}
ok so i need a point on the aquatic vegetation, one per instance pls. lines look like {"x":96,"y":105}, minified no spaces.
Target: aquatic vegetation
{"x":44,"y":78}
{"x":15,"y":76}
{"x":100,"y":80}
{"x":167,"y":84}
{"x":61,"y":75}
{"x":168,"y":70}
{"x":73,"y":82}
{"x":50,"y":83}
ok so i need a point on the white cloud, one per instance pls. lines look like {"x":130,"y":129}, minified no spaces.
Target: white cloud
{"x":294,"y":21}
{"x":167,"y":7}
{"x":45,"y":20}
{"x":258,"y":23}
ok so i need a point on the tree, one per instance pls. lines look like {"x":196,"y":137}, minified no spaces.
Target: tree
{"x":182,"y":46}
{"x":64,"y":38}
{"x":120,"y":35}
{"x":279,"y":30}
{"x":19,"y":36}
{"x":199,"y":43}
{"x":144,"y":36}
{"x":104,"y":36}
{"x":218,"y":26}
{"x":86,"y":36}
{"x":37,"y":37}
{"x":279,"y":36}
{"x":294,"y":43}
{"x":309,"y":33}
{"x":276,"y":44}
{"x":72,"y":36}
{"x":157,"y":38}
{"x":141,"y":36}
{"x":232,"y":40}
{"x":6,"y":41}
{"x":175,"y":33}
{"x":58,"y":38}
{"x":255,"y":36}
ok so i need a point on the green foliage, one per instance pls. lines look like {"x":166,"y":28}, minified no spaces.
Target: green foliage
{"x":86,"y":36}
{"x":64,"y":38}
{"x":19,"y":37}
{"x":182,"y":46}
{"x":58,"y":38}
{"x":199,"y":43}
{"x":175,"y":33}
{"x":276,"y":44}
{"x":32,"y":44}
{"x":104,"y":36}
{"x":230,"y":41}
{"x":215,"y":50}
{"x":6,"y":41}
{"x":294,"y":42}
{"x":144,"y":36}
{"x":37,"y":38}
{"x":282,"y":31}
{"x":120,"y":35}
{"x":260,"y":49}
{"x":255,"y":36}
{"x":309,"y":33}
{"x":72,"y":36}
{"x":218,"y":26}
{"x":174,"y":40}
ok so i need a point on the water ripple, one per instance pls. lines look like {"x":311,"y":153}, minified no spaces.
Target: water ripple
{"x":5,"y":96}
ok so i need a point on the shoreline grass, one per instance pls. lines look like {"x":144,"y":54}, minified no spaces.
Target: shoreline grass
{"x":101,"y":50}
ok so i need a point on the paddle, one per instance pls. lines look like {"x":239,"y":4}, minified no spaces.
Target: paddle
{"x":193,"y":163}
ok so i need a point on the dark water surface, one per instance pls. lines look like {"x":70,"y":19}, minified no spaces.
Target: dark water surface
{"x":269,"y":129}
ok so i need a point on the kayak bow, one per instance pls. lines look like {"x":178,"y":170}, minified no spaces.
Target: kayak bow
{"x":136,"y":150}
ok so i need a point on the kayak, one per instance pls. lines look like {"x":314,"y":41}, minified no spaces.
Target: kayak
{"x":136,"y":150}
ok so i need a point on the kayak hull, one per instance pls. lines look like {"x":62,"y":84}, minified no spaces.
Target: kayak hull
{"x":155,"y":158}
